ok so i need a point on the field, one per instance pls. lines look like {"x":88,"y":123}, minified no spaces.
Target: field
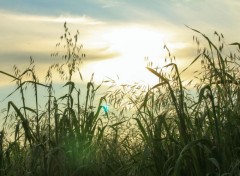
{"x":173,"y":128}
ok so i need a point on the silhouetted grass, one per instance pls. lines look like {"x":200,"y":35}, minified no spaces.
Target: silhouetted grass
{"x":169,"y":131}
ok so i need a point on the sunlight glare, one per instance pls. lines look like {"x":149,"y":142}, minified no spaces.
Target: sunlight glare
{"x":134,"y":44}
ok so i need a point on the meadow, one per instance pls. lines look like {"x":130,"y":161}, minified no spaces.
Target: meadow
{"x":170,"y":130}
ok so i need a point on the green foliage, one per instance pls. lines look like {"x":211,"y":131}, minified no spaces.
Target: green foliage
{"x":168,"y":130}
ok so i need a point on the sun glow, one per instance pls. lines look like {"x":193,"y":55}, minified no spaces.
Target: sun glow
{"x":133,"y":44}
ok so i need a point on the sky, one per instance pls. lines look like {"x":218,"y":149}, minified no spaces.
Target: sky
{"x":116,"y":35}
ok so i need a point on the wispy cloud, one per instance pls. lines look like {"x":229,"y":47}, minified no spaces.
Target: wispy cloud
{"x":96,"y":54}
{"x":84,"y":20}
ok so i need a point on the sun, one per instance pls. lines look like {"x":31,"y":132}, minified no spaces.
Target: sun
{"x":133,"y":43}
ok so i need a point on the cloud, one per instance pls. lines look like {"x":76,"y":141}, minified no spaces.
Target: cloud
{"x":43,"y":58}
{"x":96,"y":54}
{"x":84,"y":20}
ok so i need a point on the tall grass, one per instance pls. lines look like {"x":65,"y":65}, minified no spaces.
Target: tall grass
{"x":168,"y":132}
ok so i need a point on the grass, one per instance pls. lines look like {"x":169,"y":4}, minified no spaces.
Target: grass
{"x":170,"y":131}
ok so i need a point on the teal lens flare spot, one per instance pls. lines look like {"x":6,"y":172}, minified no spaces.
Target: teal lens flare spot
{"x":105,"y":108}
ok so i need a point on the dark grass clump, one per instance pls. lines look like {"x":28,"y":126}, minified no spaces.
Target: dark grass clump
{"x":168,"y":131}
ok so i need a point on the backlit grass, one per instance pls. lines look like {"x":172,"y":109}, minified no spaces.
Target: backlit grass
{"x":169,"y":131}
